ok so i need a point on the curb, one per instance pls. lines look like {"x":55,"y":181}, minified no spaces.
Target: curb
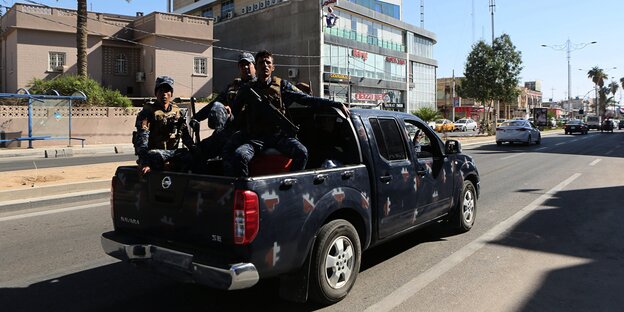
{"x":61,"y":189}
{"x":46,"y":201}
{"x":61,"y":152}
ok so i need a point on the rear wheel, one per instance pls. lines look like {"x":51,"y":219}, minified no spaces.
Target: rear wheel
{"x":539,"y":140}
{"x":335,"y":262}
{"x":462,"y":218}
{"x":528,"y":142}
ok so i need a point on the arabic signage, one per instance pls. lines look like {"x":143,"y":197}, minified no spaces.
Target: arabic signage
{"x":333,"y":77}
{"x":361,"y":96}
{"x":393,"y":105}
{"x":361,"y":54}
{"x":395,"y":60}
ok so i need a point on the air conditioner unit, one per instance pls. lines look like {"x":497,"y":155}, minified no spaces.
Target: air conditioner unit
{"x":244,"y":10}
{"x":250,"y":8}
{"x":216,"y":19}
{"x":140,"y":77}
{"x":256,"y":6}
{"x":273,"y":2}
{"x":261,"y":5}
{"x":293,"y":73}
{"x":268,"y":3}
{"x":229,"y":14}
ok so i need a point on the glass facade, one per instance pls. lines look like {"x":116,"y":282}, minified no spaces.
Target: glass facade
{"x":423,"y":93}
{"x":420,"y":46}
{"x":389,"y":9}
{"x":348,"y":61}
{"x":367,"y":31}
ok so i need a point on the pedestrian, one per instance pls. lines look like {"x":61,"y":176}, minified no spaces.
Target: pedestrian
{"x":261,"y":113}
{"x":160,"y":126}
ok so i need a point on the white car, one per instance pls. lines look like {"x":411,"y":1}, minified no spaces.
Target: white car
{"x":522,"y":131}
{"x":465,"y":124}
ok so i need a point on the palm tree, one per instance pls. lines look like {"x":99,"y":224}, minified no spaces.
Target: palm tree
{"x":82,"y":36}
{"x":598,"y":76}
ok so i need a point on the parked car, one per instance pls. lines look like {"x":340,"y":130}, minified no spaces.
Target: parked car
{"x":575,"y":125}
{"x":607,"y":125}
{"x":522,"y":131}
{"x":443,"y":125}
{"x":499,"y":122}
{"x":465,"y":124}
{"x":621,"y":124}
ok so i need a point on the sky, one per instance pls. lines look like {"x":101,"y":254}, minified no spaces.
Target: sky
{"x":529,"y":23}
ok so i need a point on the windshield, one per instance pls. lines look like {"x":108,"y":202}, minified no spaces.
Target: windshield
{"x":439,"y":121}
{"x":514,"y":123}
{"x":461,"y":121}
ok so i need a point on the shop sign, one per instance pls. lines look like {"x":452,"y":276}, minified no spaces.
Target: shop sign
{"x":361,"y":54}
{"x":361,"y":96}
{"x":393,"y":105}
{"x":395,"y":60}
{"x":333,"y":77}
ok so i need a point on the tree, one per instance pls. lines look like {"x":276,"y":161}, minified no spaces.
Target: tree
{"x":493,"y":72}
{"x":427,"y":114}
{"x":82,"y":37}
{"x":598,"y":76}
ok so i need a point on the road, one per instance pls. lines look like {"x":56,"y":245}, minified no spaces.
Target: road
{"x":549,"y":236}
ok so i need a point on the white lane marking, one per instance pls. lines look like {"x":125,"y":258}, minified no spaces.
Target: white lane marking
{"x":609,"y":152}
{"x":561,"y":143}
{"x":573,"y":141}
{"x":47,"y":212}
{"x":542,"y":148}
{"x":412,"y":287}
{"x":593,"y":163}
{"x":512,"y":156}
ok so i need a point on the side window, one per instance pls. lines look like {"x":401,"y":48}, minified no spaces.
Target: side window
{"x":389,"y":139}
{"x":420,"y":138}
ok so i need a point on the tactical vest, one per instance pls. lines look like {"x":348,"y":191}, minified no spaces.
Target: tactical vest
{"x":164,"y":127}
{"x":260,"y":119}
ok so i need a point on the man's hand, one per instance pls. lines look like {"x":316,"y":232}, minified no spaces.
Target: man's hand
{"x":145,"y":170}
{"x":194,"y":124}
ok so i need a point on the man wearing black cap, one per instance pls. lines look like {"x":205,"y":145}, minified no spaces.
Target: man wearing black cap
{"x":260,"y":111}
{"x":218,"y":111}
{"x":160,"y":126}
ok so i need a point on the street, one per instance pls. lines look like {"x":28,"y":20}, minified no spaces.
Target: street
{"x":549,"y":236}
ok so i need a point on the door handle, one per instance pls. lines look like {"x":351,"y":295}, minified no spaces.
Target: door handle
{"x":289,"y":182}
{"x":320,"y":178}
{"x":385,"y":179}
{"x":348,"y":174}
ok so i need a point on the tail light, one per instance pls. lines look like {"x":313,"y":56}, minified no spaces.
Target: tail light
{"x":246,"y":217}
{"x":112,"y":193}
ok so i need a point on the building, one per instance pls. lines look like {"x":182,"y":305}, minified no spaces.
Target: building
{"x":125,"y":53}
{"x":367,"y":56}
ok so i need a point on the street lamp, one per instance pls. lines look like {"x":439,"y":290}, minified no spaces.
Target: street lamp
{"x":569,"y":47}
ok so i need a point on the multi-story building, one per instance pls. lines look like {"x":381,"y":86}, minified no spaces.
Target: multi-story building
{"x":367,"y":56}
{"x":125,"y":53}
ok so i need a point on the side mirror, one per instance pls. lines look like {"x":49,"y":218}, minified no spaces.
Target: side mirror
{"x":452,"y":147}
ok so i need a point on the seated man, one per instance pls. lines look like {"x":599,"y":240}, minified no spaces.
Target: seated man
{"x":160,"y":126}
{"x":260,"y":112}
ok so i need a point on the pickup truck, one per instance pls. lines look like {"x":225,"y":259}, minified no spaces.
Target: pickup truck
{"x":369,"y":179}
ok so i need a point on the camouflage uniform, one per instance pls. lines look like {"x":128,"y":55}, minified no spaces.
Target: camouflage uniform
{"x":261,"y":128}
{"x":158,"y":135}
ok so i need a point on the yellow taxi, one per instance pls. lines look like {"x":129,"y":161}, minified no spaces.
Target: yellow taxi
{"x":444,"y":125}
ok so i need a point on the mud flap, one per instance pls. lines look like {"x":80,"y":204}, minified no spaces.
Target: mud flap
{"x":295,"y":286}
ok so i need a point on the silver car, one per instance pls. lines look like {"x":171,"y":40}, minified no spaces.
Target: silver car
{"x":522,"y":131}
{"x":465,"y":124}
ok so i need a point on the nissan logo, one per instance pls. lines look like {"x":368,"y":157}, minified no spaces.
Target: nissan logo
{"x":166,"y":182}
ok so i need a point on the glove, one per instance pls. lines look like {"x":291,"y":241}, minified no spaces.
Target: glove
{"x":194,"y":124}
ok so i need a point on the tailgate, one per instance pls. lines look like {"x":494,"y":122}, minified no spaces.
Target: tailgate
{"x":187,"y":208}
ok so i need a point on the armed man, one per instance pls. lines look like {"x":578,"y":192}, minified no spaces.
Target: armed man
{"x":260,"y":112}
{"x":159,"y":128}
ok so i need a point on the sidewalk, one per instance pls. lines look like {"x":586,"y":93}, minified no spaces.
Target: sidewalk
{"x":65,"y":151}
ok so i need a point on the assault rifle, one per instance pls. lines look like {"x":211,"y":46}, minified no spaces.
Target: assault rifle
{"x":285,"y":124}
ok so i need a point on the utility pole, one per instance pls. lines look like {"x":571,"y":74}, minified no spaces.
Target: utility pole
{"x":453,"y":99}
{"x":492,"y":10}
{"x":422,"y":13}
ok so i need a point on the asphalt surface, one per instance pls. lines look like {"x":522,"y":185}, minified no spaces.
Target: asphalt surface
{"x":548,"y":237}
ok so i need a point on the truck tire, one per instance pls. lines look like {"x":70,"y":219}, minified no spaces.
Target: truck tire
{"x":462,"y":217}
{"x":335,"y":262}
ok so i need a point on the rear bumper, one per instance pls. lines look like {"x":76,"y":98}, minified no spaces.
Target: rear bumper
{"x":181,"y":265}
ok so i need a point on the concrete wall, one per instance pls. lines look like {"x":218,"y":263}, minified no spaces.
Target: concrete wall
{"x":98,"y":125}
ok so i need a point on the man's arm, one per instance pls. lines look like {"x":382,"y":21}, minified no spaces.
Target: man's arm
{"x":291,"y":94}
{"x":141,"y":139}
